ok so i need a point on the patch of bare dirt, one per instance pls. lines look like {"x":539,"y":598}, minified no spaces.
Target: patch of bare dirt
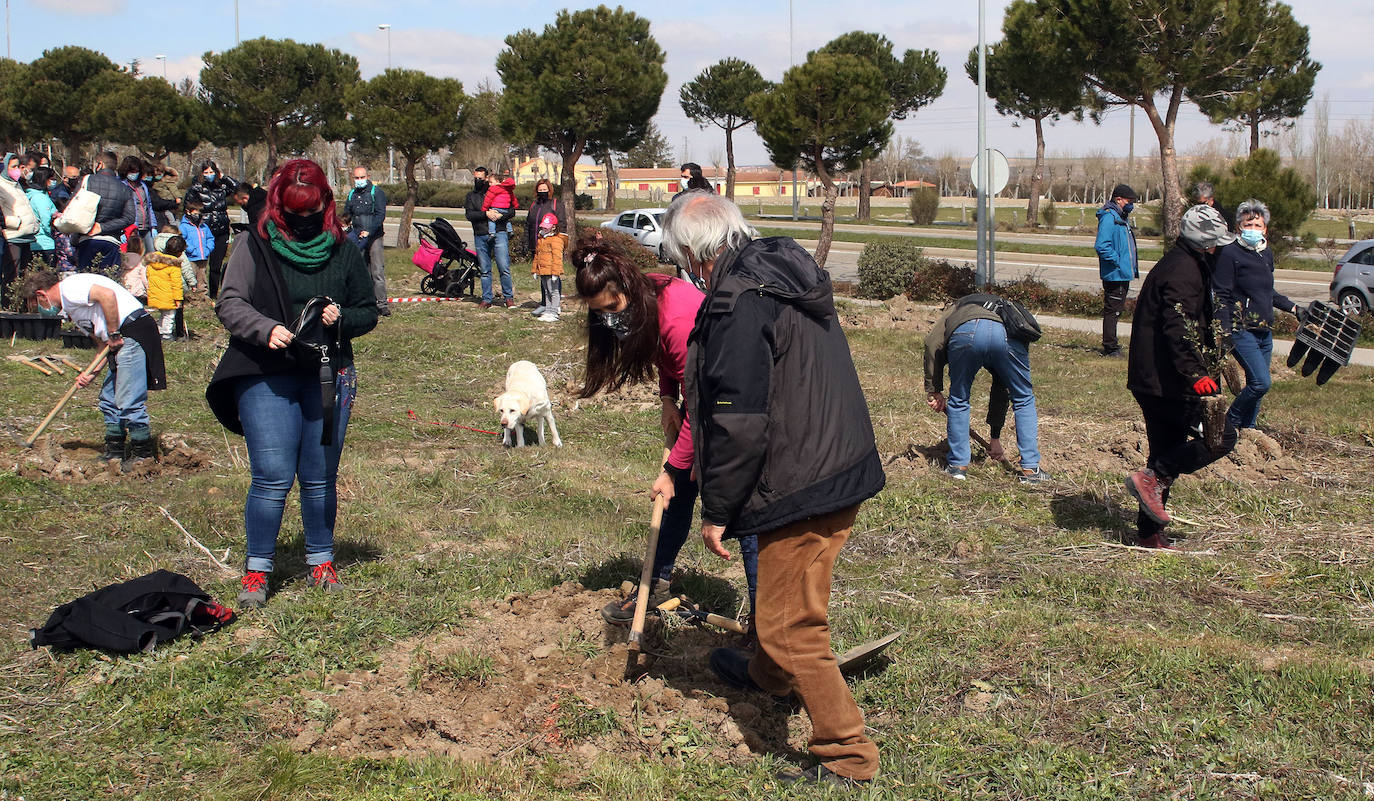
{"x":1073,"y":447}
{"x":899,"y":312}
{"x":541,"y":674}
{"x":77,"y":461}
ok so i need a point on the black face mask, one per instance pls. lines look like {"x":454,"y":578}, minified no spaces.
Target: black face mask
{"x":543,"y":196}
{"x":481,"y":184}
{"x":304,"y":227}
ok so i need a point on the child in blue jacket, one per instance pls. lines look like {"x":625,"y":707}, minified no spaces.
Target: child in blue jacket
{"x":199,"y":240}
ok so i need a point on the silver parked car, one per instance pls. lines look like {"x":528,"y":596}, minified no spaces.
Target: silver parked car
{"x":1352,"y":285}
{"x":645,"y":225}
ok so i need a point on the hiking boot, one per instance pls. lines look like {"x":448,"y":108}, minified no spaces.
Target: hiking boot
{"x":731,"y":666}
{"x":114,"y":448}
{"x":819,"y":776}
{"x":324,"y":577}
{"x":486,"y":304}
{"x":1156,"y":541}
{"x":510,"y":303}
{"x":956,"y":473}
{"x":1147,"y":488}
{"x":622,"y":613}
{"x":254,"y":592}
{"x":139,"y":450}
{"x":1033,"y":476}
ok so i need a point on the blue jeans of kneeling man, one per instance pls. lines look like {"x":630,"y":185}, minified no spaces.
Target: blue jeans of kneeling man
{"x":124,"y":393}
{"x":282,"y":423}
{"x":973,"y":346}
{"x":1254,"y":350}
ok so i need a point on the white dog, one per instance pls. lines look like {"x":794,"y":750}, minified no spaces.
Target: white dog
{"x":526,"y":398}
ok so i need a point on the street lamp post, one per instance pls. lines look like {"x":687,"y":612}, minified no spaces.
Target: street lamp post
{"x":163,"y":59}
{"x":390,"y":151}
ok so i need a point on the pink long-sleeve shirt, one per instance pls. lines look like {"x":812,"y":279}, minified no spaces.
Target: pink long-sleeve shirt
{"x":678,"y":302}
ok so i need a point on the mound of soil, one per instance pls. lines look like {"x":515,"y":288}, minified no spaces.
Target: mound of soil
{"x":1072,"y":447}
{"x":537,"y":675}
{"x":80,"y":461}
{"x":899,"y":312}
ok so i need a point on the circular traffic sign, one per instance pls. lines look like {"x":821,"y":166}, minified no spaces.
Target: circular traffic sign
{"x":998,"y":169}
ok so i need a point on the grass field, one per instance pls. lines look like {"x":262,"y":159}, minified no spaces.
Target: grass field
{"x":1042,"y":658}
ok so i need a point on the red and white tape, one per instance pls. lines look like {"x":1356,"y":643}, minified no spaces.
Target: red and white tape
{"x":418,"y":299}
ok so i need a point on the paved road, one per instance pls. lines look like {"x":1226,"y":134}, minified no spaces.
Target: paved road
{"x":1060,"y":272}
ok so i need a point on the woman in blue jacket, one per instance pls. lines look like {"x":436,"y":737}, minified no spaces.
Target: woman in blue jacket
{"x":43,"y":247}
{"x":1243,"y":287}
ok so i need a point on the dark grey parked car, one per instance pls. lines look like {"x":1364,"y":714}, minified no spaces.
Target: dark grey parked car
{"x":1352,"y":285}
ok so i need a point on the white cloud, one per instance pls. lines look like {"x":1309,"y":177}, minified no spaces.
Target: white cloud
{"x":82,"y":8}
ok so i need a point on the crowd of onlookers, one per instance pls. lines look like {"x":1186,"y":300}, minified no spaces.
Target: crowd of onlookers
{"x":146,"y":226}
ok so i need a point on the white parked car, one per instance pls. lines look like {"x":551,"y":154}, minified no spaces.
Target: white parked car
{"x":645,"y":225}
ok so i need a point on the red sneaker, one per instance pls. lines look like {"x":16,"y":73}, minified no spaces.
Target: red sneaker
{"x":510,"y":304}
{"x":324,"y":577}
{"x":486,"y":304}
{"x":1149,"y":490}
{"x":254,"y":592}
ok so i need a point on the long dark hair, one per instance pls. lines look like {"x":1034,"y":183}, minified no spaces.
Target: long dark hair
{"x":612,"y":363}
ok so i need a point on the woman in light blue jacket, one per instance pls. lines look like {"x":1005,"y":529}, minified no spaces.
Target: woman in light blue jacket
{"x":43,"y":247}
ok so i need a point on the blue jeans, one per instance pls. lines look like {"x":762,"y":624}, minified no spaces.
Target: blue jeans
{"x":677,"y":525}
{"x":1253,"y":350}
{"x":98,"y":255}
{"x":282,"y":424}
{"x":124,"y":394}
{"x":983,"y":343}
{"x":494,"y":246}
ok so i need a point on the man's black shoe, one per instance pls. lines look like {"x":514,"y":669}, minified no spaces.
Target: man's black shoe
{"x":731,"y":665}
{"x":819,"y":776}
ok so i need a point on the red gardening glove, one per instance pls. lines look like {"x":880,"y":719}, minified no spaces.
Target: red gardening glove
{"x":1206,"y":386}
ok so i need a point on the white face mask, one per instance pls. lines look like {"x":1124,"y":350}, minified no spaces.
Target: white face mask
{"x":682,"y":182}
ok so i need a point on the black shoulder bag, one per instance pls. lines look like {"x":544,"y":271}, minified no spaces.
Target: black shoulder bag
{"x":313,"y":343}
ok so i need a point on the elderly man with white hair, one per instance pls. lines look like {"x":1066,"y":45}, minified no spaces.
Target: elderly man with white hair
{"x":785,"y":451}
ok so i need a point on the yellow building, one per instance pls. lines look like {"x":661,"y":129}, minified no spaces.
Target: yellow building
{"x":663,"y":182}
{"x":590,"y":177}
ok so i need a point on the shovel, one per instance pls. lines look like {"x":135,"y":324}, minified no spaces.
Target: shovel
{"x":91,"y":369}
{"x":642,"y":599}
{"x":854,"y":660}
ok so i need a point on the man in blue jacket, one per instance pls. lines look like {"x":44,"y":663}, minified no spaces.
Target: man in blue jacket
{"x":367,"y":205}
{"x":1116,"y":261}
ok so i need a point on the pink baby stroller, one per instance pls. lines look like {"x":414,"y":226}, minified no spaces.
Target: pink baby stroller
{"x":451,"y":264}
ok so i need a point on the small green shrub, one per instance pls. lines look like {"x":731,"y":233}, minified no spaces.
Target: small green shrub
{"x":1049,"y":213}
{"x":888,"y":267}
{"x":582,"y":202}
{"x":940,"y":281}
{"x":623,"y":244}
{"x":924,"y":205}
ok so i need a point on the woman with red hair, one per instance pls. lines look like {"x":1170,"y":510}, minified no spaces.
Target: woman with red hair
{"x":290,"y":401}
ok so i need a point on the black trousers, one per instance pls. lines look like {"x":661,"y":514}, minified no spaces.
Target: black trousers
{"x":216,"y":260}
{"x":1113,"y":303}
{"x":1173,"y":427}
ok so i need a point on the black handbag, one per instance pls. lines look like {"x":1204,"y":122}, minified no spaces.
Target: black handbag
{"x":313,"y":343}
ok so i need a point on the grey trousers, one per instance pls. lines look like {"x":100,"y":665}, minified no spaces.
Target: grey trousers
{"x":376,"y":266}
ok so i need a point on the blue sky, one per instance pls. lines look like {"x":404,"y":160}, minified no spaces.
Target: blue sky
{"x":462,"y":40}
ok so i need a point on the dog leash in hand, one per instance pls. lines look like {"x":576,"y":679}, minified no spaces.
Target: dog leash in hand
{"x":410,"y":413}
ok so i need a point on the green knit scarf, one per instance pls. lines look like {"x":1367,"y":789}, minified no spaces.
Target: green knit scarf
{"x":307,"y":257}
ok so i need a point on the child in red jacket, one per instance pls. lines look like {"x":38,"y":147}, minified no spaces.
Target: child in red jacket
{"x":501,"y":196}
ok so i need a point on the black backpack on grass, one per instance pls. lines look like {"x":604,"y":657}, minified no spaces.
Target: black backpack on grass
{"x":134,"y":615}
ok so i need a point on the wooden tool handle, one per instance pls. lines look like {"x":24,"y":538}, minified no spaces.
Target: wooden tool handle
{"x":52,"y":363}
{"x":646,"y":575}
{"x":727,"y":623}
{"x":35,"y":365}
{"x":93,"y":367}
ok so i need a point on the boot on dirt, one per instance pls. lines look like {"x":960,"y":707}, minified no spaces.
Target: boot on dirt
{"x":622,"y":613}
{"x":1159,"y":541}
{"x":322,"y":576}
{"x":140,"y":450}
{"x":254,"y":592}
{"x":114,"y":447}
{"x":1148,"y":488}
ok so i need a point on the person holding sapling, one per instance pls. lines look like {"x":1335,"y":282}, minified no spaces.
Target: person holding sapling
{"x":1172,"y":343}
